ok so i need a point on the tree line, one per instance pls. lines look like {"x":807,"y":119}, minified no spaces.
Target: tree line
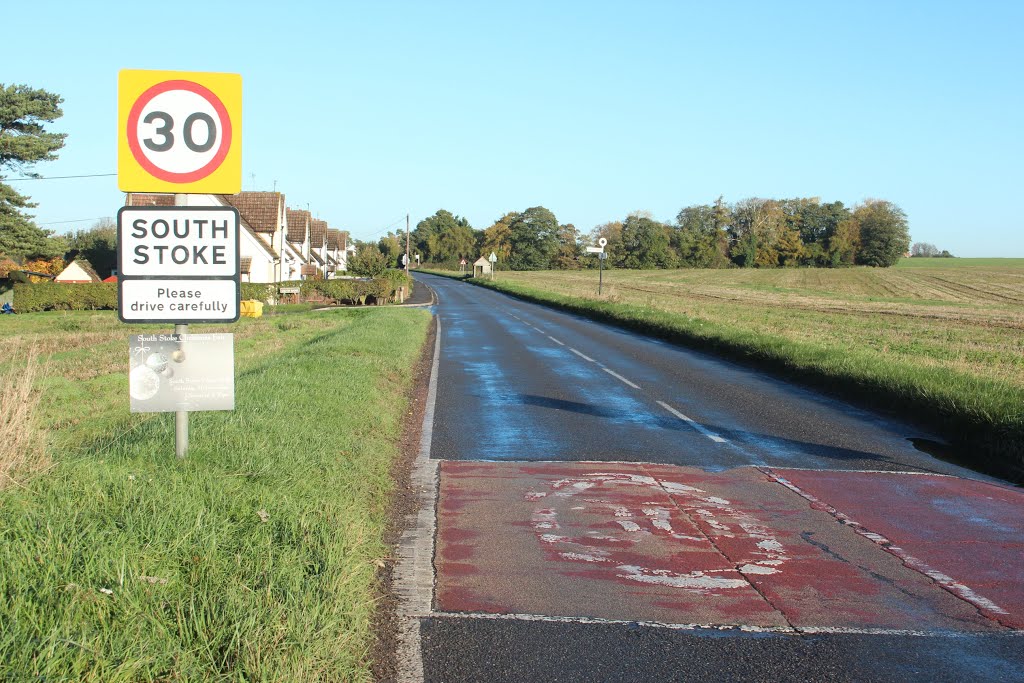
{"x":752,"y":233}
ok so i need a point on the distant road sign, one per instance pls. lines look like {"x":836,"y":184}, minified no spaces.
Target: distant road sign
{"x":602,"y":242}
{"x":177,"y":264}
{"x":595,"y":250}
{"x":179,"y":132}
{"x":493,"y":257}
{"x":462,"y":262}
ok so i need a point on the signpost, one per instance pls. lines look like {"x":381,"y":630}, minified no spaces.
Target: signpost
{"x":493,"y":258}
{"x":179,"y":132}
{"x":601,"y":256}
{"x":462,"y":266}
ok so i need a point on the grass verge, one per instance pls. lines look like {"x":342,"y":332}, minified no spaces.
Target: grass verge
{"x":253,"y":559}
{"x":982,"y":417}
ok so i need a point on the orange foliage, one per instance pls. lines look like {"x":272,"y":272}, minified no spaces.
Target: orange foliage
{"x":52,"y":266}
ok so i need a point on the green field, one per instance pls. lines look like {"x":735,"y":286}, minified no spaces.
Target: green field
{"x":941,"y":342}
{"x":254,"y":559}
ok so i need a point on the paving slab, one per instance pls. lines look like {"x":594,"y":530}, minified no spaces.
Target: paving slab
{"x":673,"y":545}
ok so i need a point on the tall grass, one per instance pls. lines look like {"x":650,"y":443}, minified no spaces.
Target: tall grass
{"x":252,"y":560}
{"x":22,"y":437}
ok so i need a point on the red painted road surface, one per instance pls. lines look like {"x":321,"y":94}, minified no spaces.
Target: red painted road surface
{"x":773,"y":549}
{"x":967,"y":535}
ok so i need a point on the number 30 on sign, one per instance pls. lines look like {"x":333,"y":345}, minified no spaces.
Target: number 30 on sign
{"x":179,"y":131}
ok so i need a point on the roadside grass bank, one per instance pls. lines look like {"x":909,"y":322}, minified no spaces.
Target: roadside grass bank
{"x":256,"y":557}
{"x":944,"y":352}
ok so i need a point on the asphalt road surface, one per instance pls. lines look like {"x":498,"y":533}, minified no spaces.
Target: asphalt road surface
{"x":612,"y":507}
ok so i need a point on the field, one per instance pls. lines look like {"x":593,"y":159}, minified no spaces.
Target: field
{"x":253,"y":559}
{"x":939,"y":340}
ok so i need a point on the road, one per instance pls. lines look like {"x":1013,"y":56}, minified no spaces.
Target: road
{"x":612,"y":507}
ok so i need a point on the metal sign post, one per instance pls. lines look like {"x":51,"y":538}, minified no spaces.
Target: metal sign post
{"x":493,"y":258}
{"x":601,"y":256}
{"x":180,"y":416}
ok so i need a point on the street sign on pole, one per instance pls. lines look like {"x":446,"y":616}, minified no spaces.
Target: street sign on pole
{"x":178,"y":264}
{"x":601,"y":256}
{"x":179,"y":132}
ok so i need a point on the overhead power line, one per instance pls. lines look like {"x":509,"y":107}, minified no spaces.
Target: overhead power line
{"x":76,"y":220}
{"x":385,"y":229}
{"x":58,"y":177}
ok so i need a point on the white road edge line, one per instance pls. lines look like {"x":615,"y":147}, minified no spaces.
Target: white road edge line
{"x":582,"y":355}
{"x":560,"y":343}
{"x":414,"y":571}
{"x":620,"y":378}
{"x":796,"y":630}
{"x":693,"y":423}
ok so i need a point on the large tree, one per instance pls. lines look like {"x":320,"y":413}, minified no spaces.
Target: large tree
{"x":97,"y":245}
{"x":568,"y":255}
{"x":498,"y":238}
{"x":534,"y":239}
{"x":884,"y":233}
{"x":699,"y":236}
{"x":428,"y":233}
{"x":646,"y":242}
{"x":24,"y":141}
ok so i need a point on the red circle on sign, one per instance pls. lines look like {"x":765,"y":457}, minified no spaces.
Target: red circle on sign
{"x":170,"y":176}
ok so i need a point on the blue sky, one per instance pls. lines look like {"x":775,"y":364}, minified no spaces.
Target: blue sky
{"x":367,"y":111}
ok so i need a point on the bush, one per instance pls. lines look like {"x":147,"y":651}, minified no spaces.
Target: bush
{"x":258,"y":291}
{"x":53,"y":296}
{"x":398,"y":278}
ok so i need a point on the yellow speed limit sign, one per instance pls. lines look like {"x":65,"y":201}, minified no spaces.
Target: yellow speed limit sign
{"x":179,"y":131}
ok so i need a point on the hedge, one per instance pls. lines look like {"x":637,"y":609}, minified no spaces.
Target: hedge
{"x":342,"y":291}
{"x":54,"y":296}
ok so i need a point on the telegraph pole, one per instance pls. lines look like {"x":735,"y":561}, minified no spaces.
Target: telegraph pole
{"x":407,"y":244}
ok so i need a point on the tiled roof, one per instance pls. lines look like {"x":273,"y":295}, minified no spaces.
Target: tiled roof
{"x":245,"y":264}
{"x":318,"y":233}
{"x":334,"y":239}
{"x":297,"y":222}
{"x":139,"y":199}
{"x":344,"y":239}
{"x":261,"y":210}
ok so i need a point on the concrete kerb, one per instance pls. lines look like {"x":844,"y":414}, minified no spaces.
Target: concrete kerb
{"x":414,"y":572}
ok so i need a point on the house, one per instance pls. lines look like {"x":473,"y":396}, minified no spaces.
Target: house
{"x":318,"y":245}
{"x":78,"y":271}
{"x":335,"y":246}
{"x":298,"y":244}
{"x":262,"y":227}
{"x":264,"y":216}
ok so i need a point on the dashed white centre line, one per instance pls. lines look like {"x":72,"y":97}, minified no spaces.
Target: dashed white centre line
{"x":696,"y":425}
{"x":560,"y":343}
{"x":620,"y":378}
{"x":582,"y":355}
